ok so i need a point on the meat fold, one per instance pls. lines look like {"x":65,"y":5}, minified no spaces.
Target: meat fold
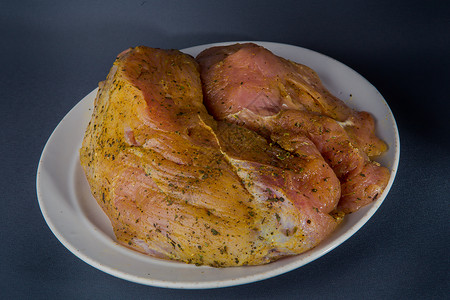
{"x":177,"y":184}
{"x":285,"y":102}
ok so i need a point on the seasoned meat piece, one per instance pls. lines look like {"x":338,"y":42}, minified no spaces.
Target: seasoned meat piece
{"x":176,"y":184}
{"x":285,"y":102}
{"x":248,"y":76}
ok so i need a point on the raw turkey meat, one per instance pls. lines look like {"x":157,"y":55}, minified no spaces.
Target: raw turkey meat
{"x":286,"y":103}
{"x":177,"y":184}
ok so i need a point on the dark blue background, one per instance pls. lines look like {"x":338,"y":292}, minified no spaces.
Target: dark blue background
{"x":53,"y":53}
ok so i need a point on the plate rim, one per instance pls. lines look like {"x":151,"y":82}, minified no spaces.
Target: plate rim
{"x":221,"y":283}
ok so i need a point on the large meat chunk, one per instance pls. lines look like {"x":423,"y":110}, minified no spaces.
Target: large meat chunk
{"x":286,"y":102}
{"x":176,"y":184}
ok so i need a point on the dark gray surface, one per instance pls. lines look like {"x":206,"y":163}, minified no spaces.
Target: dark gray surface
{"x":53,"y":53}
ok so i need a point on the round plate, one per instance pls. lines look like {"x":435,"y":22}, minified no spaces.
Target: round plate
{"x":78,"y":222}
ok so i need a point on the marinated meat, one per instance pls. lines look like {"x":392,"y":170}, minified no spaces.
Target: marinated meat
{"x":248,"y":76}
{"x":177,"y":184}
{"x":286,"y":102}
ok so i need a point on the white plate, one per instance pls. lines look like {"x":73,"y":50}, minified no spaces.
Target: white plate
{"x":77,"y":221}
